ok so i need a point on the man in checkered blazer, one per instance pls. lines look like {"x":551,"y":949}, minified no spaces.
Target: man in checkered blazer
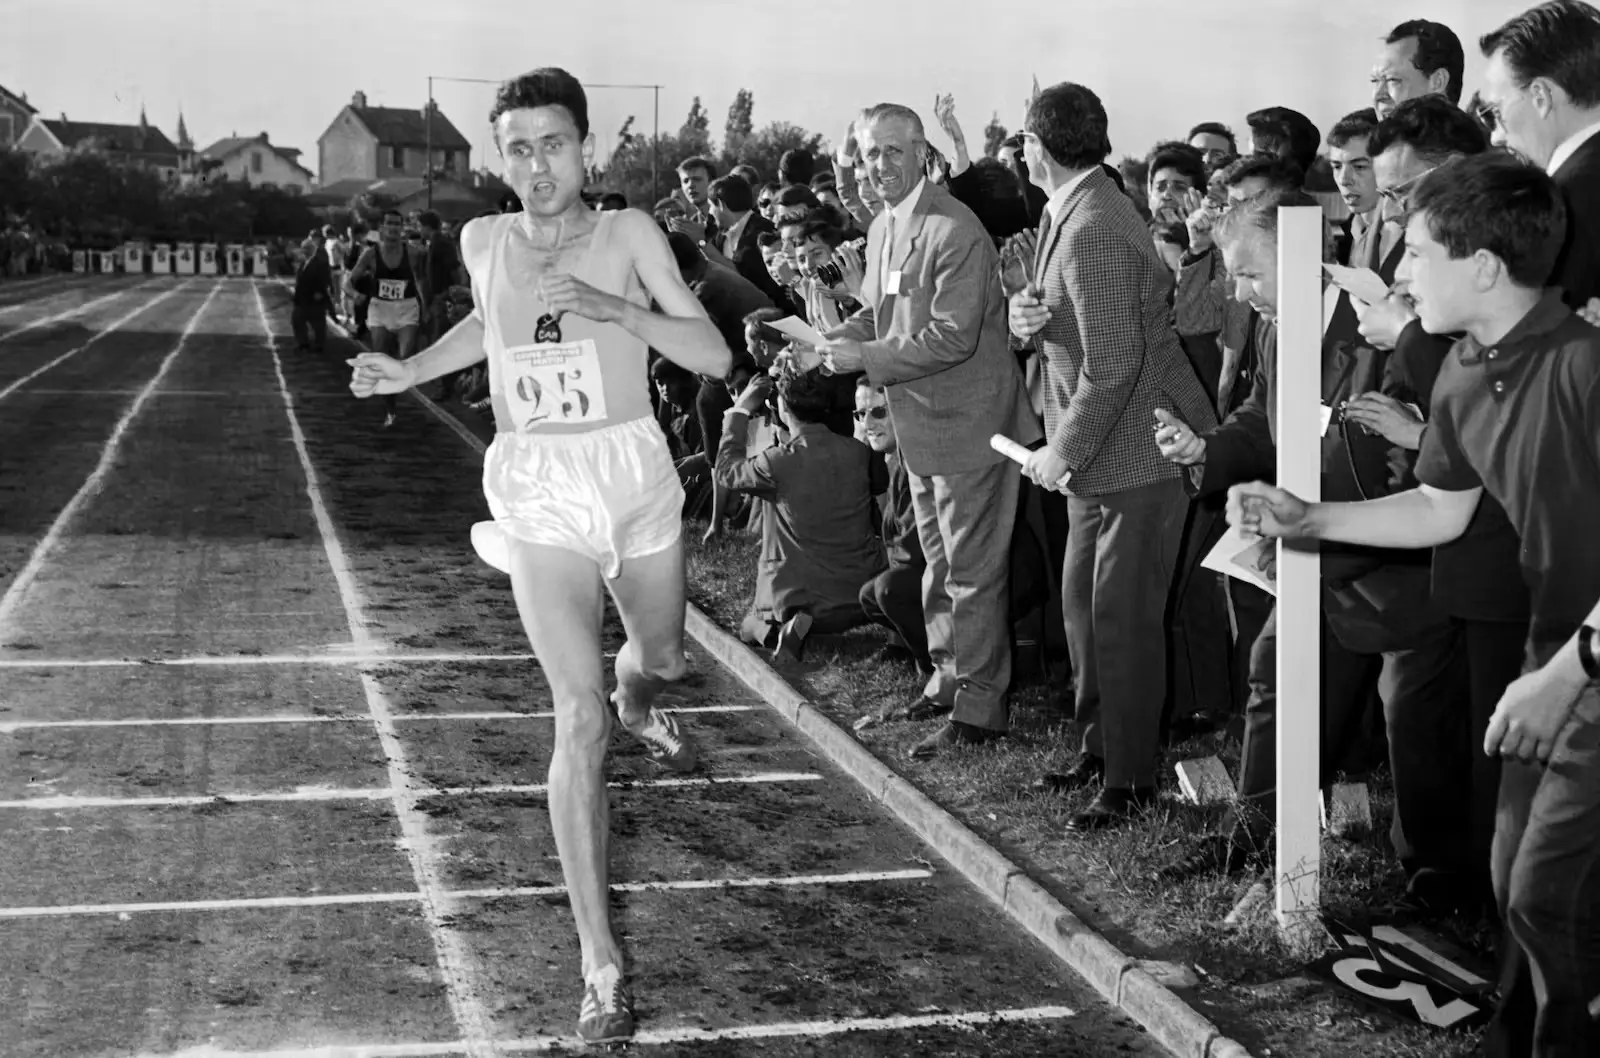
{"x":1100,"y":309}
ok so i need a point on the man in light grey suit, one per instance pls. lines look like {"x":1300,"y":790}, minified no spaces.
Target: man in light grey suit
{"x":932,"y":332}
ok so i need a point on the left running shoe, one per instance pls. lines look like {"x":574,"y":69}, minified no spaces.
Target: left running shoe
{"x":606,"y":1015}
{"x":489,"y":541}
{"x":664,"y":739}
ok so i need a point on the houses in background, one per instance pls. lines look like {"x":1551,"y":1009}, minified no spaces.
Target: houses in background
{"x":378,"y":143}
{"x":16,"y":113}
{"x":142,"y":144}
{"x":254,"y":160}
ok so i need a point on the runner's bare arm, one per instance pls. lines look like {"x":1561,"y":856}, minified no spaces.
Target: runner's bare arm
{"x":681,"y":331}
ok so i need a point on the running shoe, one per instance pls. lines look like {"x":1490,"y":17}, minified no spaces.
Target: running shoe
{"x":388,"y":420}
{"x":606,"y":1015}
{"x":665,"y":741}
{"x":489,"y":541}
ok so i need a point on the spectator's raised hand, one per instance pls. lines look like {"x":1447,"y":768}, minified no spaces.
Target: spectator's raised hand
{"x":754,"y":397}
{"x":1260,"y":509}
{"x":845,"y":155}
{"x":1200,"y":217}
{"x":1382,"y":323}
{"x":691,"y":226}
{"x":1590,"y":313}
{"x":1387,"y":417}
{"x":1176,"y":441}
{"x":1028,"y":315}
{"x":944,"y":110}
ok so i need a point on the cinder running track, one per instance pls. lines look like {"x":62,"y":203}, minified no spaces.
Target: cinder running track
{"x":272,"y":753}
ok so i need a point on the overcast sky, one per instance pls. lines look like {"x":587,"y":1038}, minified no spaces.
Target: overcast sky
{"x":286,"y":67}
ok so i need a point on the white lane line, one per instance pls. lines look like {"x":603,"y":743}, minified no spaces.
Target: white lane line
{"x":461,"y":977}
{"x":24,"y":580}
{"x":366,"y":657}
{"x":108,"y":329}
{"x":339,"y":899}
{"x":40,"y":391}
{"x":67,"y":315}
{"x":8,"y":727}
{"x":31,"y":299}
{"x":316,"y":794}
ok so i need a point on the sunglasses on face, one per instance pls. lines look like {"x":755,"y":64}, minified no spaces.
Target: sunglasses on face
{"x":765,"y":203}
{"x":863,"y":414}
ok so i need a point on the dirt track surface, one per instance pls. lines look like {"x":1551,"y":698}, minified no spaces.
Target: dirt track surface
{"x":210,"y":849}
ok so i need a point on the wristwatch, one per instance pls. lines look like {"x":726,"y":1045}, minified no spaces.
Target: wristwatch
{"x":1588,"y":649}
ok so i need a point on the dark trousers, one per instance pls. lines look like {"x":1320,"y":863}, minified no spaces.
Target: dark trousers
{"x":1122,"y":553}
{"x":1250,"y":607}
{"x":893,"y":599}
{"x":709,"y":405}
{"x":310,"y":324}
{"x":1201,"y":679}
{"x":1547,"y":880}
{"x":1445,"y":786}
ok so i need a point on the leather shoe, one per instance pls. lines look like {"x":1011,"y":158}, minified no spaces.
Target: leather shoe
{"x":921,"y":709}
{"x":950,"y":736}
{"x":1113,"y":808}
{"x":1088,"y":771}
{"x":926,"y":709}
{"x":792,"y":638}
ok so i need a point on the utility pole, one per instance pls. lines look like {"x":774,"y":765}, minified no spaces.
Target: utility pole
{"x":427,"y":135}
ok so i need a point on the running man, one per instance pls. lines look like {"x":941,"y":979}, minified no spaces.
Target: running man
{"x":579,"y":478}
{"x":395,"y":311}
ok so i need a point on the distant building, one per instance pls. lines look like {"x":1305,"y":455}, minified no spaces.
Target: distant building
{"x":454,"y":200}
{"x":140,"y":144}
{"x":254,"y":160}
{"x":16,"y":113}
{"x":379,"y":143}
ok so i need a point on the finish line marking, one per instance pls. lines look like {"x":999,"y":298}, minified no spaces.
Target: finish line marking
{"x":12,"y":726}
{"x":459,"y":971}
{"x":315,"y":794}
{"x":345,"y":899}
{"x":366,"y":657}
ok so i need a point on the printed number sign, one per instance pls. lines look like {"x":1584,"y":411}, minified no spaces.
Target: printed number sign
{"x":392,"y":289}
{"x":555,"y":383}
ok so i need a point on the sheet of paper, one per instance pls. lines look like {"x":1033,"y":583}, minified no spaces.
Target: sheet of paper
{"x":1009,"y":448}
{"x":1363,"y":284}
{"x":1327,"y":417}
{"x":799,"y":330}
{"x":1238,"y":557}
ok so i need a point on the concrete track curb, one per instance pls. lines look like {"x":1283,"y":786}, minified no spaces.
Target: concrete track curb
{"x":1175,"y":1024}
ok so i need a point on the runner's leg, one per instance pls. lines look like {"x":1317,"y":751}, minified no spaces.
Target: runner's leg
{"x":649,"y":594}
{"x":558,"y":594}
{"x":383,"y":340}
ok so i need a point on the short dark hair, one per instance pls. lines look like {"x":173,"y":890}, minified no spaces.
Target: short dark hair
{"x":1187,"y":160}
{"x":1215,"y":128}
{"x":1559,"y":39}
{"x":613,"y":200}
{"x":746,"y":172}
{"x":771,"y":186}
{"x":1494,"y":201}
{"x":671,"y":373}
{"x":1071,"y":125}
{"x":796,"y":167}
{"x":548,"y":86}
{"x":705,"y":165}
{"x":733,"y":193}
{"x":1279,"y":173}
{"x":797,"y":195}
{"x":807,"y":395}
{"x":1354,"y":125}
{"x":391,"y":213}
{"x":1438,"y":48}
{"x":430,"y":220}
{"x":685,"y":252}
{"x":1282,"y":127}
{"x":1433,"y":127}
{"x":768,"y":238}
{"x":813,"y":228}
{"x":758,"y":324}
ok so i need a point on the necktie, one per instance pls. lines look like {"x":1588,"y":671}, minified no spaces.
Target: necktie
{"x":1043,"y":250}
{"x":886,"y":252}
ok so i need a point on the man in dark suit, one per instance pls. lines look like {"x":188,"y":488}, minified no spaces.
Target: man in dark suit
{"x":1101,"y":308}
{"x":932,"y":332}
{"x":313,"y":293}
{"x":732,"y":207}
{"x":1542,"y":96}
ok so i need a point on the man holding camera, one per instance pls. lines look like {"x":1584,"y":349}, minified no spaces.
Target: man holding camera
{"x":830,"y":270}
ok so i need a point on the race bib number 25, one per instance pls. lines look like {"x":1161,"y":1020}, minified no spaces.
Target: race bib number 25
{"x":392,"y":289}
{"x":555,"y":383}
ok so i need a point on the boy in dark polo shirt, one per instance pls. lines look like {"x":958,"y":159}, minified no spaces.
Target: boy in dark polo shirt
{"x":1516,"y":412}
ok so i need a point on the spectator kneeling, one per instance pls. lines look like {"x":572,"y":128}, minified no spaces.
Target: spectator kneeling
{"x":817,"y":540}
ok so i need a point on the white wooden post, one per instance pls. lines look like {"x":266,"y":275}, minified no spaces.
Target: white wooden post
{"x":1299,"y":443}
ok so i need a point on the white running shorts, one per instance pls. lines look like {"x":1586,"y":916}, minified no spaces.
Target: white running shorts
{"x":610,"y":494}
{"x":393,"y":315}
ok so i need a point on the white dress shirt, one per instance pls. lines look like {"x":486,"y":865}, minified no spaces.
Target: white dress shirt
{"x":1058,"y":197}
{"x":730,"y":238}
{"x":898,"y":218}
{"x":1570,"y":146}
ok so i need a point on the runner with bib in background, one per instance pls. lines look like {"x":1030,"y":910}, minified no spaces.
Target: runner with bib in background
{"x":579,"y":478}
{"x":395,"y":312}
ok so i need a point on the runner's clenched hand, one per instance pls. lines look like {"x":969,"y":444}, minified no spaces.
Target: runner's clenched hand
{"x":378,"y":374}
{"x":567,"y":293}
